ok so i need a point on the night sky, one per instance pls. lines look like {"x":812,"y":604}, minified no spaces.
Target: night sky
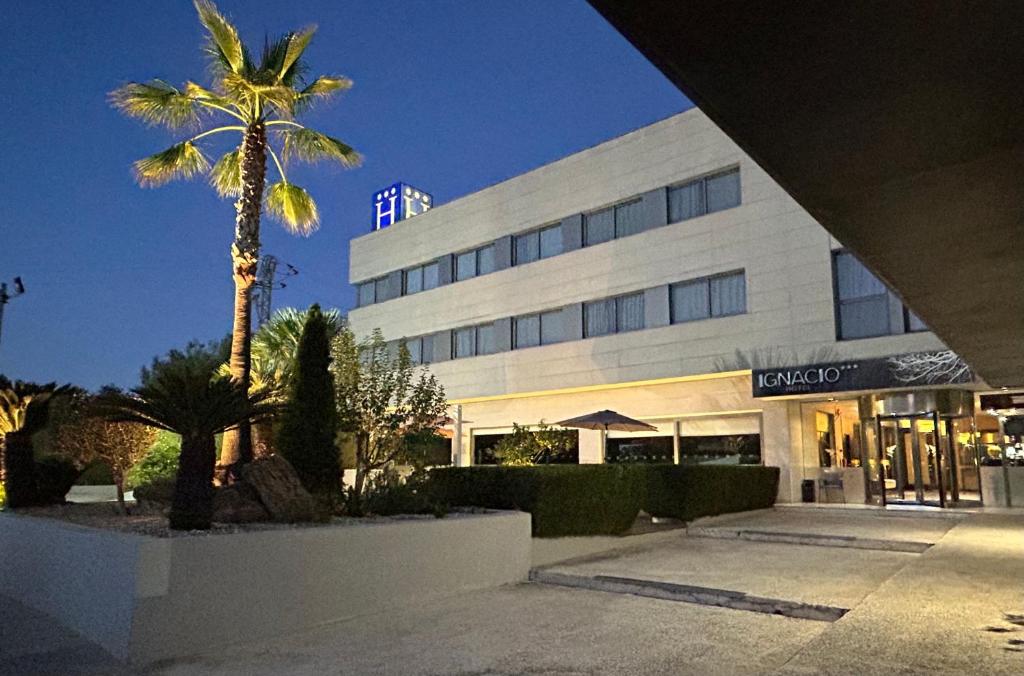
{"x":449,"y":96}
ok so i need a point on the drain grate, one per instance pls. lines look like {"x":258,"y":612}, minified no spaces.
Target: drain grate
{"x":705,"y":596}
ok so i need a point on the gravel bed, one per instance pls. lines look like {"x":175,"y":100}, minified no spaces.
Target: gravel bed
{"x":105,"y":515}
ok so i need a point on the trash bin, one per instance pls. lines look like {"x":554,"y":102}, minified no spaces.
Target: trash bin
{"x":807,"y":490}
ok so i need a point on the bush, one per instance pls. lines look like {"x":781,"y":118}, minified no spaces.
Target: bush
{"x":562,"y":499}
{"x":386,"y":493}
{"x":55,"y":475}
{"x":159,"y":463}
{"x":159,"y":490}
{"x":605,"y":499}
{"x":96,"y":473}
{"x":687,"y":492}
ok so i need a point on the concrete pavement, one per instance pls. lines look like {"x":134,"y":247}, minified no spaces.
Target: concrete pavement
{"x":936,"y":612}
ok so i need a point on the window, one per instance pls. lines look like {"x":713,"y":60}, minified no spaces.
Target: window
{"x":413,"y":280}
{"x":366,"y":296}
{"x":728,"y":295}
{"x":485,"y":260}
{"x":527,"y":248}
{"x":474,"y":340}
{"x":538,"y":244}
{"x":464,"y":342}
{"x":465,"y":266}
{"x":912,"y":322}
{"x":723,"y":191}
{"x":598,"y":318}
{"x":421,"y":350}
{"x":415,"y":347}
{"x":431,"y":276}
{"x":380,"y":289}
{"x":862,"y":301}
{"x":545,"y":328}
{"x":718,"y":296}
{"x":485,"y":339}
{"x":613,"y":315}
{"x":614,"y":222}
{"x":599,"y":227}
{"x":704,"y":196}
{"x":629,"y":219}
{"x":475,"y":263}
{"x":551,"y":241}
{"x":552,"y":327}
{"x":629,"y":312}
{"x":421,"y":278}
{"x":527,"y":331}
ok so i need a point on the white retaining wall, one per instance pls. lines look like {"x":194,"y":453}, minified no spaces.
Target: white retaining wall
{"x":145,"y":598}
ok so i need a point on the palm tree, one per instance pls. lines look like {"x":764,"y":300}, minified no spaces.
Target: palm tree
{"x":185,"y":400}
{"x":256,"y":98}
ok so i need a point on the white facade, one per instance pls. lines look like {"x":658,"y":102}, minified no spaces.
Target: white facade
{"x":687,"y":373}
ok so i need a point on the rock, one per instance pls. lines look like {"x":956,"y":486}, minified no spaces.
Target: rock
{"x":238,"y":503}
{"x":280,"y":490}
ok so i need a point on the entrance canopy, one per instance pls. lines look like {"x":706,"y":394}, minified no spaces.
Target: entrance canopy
{"x":896,"y":125}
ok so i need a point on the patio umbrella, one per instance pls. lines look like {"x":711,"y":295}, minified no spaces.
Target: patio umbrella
{"x":608,"y":420}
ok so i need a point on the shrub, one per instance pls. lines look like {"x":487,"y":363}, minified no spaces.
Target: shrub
{"x":562,"y":499}
{"x":534,"y":447}
{"x":159,"y":462}
{"x":96,"y":473}
{"x":387,"y":493}
{"x":310,"y":420}
{"x":688,"y":492}
{"x":55,"y":475}
{"x":3,"y":496}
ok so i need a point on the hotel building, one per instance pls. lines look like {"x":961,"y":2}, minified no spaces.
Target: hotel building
{"x":664,"y":275}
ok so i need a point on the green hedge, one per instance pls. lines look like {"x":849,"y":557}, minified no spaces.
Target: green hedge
{"x":688,"y":492}
{"x":605,"y":499}
{"x":562,"y":499}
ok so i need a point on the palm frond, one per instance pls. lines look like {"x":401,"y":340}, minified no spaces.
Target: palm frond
{"x":225,"y":47}
{"x":182,"y":160}
{"x":291,"y":63}
{"x":293,"y":207}
{"x":156,"y":102}
{"x":308,"y":145}
{"x":321,"y":88}
{"x":248,"y":92}
{"x":226,"y":174}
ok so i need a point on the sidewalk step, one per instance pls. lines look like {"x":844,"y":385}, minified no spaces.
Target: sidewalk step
{"x":705,"y":596}
{"x":813,"y":539}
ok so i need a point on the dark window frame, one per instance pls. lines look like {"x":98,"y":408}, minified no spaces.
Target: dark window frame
{"x":706,"y":282}
{"x":703,"y":182}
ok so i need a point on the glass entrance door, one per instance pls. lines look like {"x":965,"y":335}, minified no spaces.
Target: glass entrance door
{"x":913,"y":459}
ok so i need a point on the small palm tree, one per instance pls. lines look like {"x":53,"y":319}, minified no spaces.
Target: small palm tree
{"x":24,"y":410}
{"x":256,"y":98}
{"x":185,"y":400}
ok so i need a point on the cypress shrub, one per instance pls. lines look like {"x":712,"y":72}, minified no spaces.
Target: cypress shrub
{"x":306,"y":436}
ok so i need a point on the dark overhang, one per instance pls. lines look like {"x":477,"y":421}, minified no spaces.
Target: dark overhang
{"x":898,"y":125}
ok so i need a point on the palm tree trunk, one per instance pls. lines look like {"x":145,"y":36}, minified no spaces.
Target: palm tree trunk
{"x":245,"y":254}
{"x":192,"y":503}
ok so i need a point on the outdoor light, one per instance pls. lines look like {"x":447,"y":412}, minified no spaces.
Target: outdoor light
{"x":19,"y":288}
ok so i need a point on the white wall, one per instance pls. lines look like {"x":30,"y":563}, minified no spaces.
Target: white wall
{"x":785,"y":253}
{"x":146,"y":599}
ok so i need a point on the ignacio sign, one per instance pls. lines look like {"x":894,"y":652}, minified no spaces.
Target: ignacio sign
{"x":905,"y":370}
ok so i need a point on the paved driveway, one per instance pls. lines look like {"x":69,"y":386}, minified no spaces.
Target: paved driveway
{"x":929,"y":613}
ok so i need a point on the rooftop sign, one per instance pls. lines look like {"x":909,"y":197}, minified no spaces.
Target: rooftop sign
{"x":398,"y":202}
